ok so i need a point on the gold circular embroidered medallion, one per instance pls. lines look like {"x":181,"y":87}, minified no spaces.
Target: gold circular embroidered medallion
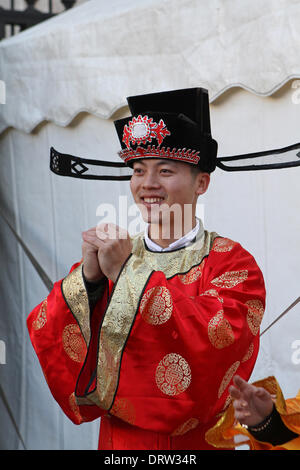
{"x":248,"y":353}
{"x":226,"y":403}
{"x":156,"y":305}
{"x":186,"y":427}
{"x":73,"y":343}
{"x":254,"y":315}
{"x":124,"y":409}
{"x":213,"y":293}
{"x":41,"y":318}
{"x":227,"y":377}
{"x":192,"y":275}
{"x":219,"y":331}
{"x":221,"y":245}
{"x":173,"y":374}
{"x":230,"y":279}
{"x":74,"y":407}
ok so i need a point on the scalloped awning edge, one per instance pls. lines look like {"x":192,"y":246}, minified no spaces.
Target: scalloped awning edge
{"x":106,"y":116}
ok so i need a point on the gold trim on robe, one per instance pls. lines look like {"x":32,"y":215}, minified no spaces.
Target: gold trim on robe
{"x":76,"y":297}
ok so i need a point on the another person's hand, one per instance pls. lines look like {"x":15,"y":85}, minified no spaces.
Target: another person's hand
{"x":251,"y":404}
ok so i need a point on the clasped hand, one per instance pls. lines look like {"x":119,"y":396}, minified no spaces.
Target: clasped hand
{"x":105,"y":249}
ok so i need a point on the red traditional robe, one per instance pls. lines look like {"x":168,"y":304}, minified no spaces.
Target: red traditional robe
{"x":155,"y":357}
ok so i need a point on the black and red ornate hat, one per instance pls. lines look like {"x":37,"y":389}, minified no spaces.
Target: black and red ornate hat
{"x":173,"y":125}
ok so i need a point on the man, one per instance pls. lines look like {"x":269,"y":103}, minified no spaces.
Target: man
{"x":147,"y":332}
{"x":259,"y":412}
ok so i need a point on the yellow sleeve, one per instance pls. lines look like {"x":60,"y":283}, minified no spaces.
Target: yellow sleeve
{"x":224,"y":432}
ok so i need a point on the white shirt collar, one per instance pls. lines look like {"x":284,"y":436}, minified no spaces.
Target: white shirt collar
{"x":183,"y":241}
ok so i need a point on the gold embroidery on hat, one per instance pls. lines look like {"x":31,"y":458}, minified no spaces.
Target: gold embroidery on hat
{"x":173,"y":374}
{"x":156,"y":305}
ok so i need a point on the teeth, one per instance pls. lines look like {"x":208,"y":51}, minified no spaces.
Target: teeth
{"x":153,"y":199}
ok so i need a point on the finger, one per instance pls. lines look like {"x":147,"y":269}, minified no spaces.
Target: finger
{"x":262,"y":393}
{"x":104,"y":230}
{"x":242,"y":416}
{"x":123,"y":234}
{"x":103,"y":226}
{"x":89,"y":233}
{"x":89,"y":246}
{"x":114,"y":232}
{"x":241,"y":406}
{"x":240,"y":383}
{"x":234,"y":392}
{"x":91,"y":230}
{"x":93,"y":239}
{"x":102,"y":235}
{"x":107,"y":231}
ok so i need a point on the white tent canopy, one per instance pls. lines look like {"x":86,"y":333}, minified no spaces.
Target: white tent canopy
{"x":84,"y":59}
{"x":66,"y":80}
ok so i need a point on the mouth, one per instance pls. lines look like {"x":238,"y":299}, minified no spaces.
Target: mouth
{"x":154,"y":200}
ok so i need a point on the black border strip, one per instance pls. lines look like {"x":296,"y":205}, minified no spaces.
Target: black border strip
{"x":260,"y":154}
{"x":270,"y":166}
{"x":65,"y":161}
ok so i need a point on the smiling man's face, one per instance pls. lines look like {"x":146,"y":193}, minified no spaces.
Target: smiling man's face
{"x":160,"y":185}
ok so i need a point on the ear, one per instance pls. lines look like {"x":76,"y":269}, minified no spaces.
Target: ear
{"x":203,"y":180}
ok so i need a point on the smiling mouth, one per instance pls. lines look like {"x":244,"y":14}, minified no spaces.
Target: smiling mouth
{"x":152,"y":200}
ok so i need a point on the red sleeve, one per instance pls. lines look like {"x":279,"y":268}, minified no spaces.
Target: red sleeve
{"x":192,"y":332}
{"x":61,"y":342}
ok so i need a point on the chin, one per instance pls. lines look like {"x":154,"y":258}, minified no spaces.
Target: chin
{"x":151,"y":219}
{"x":150,"y":215}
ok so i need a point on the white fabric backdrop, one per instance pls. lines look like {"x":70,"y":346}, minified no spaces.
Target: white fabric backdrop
{"x":261,"y":210}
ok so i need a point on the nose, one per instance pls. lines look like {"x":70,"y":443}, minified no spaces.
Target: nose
{"x":150,"y":180}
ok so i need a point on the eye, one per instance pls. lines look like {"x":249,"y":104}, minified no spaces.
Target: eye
{"x":166,"y":171}
{"x":137,"y":171}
